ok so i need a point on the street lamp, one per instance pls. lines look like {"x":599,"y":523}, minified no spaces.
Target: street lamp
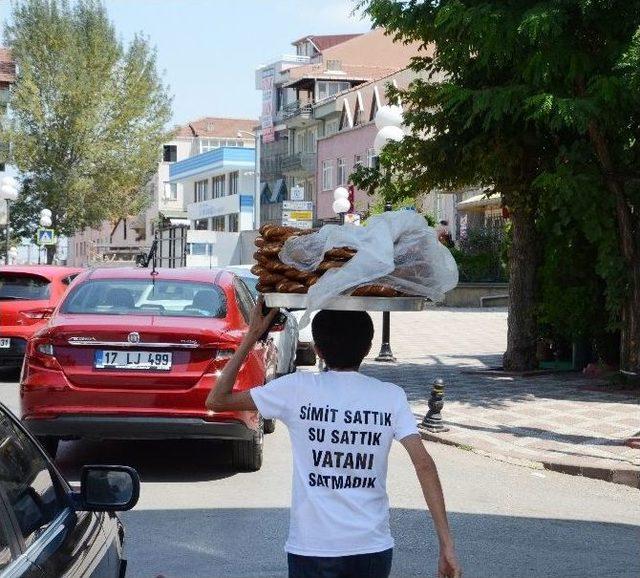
{"x":256,"y":192}
{"x":8,"y":192}
{"x":389,"y":123}
{"x":45,"y":222}
{"x":341,"y":204}
{"x":13,"y":255}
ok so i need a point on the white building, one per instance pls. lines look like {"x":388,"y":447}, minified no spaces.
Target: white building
{"x":123,"y":240}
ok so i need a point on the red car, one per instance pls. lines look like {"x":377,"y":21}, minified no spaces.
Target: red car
{"x":133,"y":355}
{"x":28,"y":296}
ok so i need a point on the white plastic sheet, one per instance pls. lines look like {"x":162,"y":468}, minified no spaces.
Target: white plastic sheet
{"x":397,"y":249}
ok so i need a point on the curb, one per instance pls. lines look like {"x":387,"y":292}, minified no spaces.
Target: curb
{"x":626,"y":477}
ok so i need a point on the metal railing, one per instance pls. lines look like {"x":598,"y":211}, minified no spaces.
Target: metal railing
{"x":296,"y":108}
{"x":299,"y":162}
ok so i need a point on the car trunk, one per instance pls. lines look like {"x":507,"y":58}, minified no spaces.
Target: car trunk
{"x":19,"y":292}
{"x":78,"y":341}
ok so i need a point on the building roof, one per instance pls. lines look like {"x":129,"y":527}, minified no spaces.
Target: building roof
{"x":356,"y":57}
{"x":7,"y":66}
{"x":210,"y":126}
{"x":324,"y":41}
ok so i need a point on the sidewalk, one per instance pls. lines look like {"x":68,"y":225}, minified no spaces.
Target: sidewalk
{"x":563,"y":422}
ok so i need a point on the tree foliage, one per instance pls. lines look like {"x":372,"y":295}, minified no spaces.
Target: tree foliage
{"x":89,"y":114}
{"x":540,"y":102}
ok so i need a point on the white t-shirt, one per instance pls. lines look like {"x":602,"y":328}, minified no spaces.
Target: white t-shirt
{"x":341,"y":426}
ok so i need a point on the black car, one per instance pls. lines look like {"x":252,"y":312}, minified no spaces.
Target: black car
{"x":48,"y":530}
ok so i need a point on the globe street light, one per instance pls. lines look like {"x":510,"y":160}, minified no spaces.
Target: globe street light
{"x":256,"y":192}
{"x":8,"y":192}
{"x":389,"y":123}
{"x":45,"y":222}
{"x":341,"y":204}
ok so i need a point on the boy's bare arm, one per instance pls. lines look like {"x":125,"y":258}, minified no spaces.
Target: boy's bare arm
{"x":448,"y":566}
{"x":221,"y":397}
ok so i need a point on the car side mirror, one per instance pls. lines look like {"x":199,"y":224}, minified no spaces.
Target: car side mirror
{"x":108,"y":488}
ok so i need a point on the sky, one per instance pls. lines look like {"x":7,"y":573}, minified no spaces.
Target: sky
{"x":208,"y":50}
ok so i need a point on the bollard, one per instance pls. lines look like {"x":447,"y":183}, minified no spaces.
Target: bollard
{"x":433,"y":420}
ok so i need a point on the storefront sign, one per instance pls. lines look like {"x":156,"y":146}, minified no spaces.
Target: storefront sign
{"x":266,"y":118}
{"x":297,"y":206}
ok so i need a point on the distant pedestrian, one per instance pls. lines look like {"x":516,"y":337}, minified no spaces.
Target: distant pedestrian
{"x":444,"y":234}
{"x":342,"y":425}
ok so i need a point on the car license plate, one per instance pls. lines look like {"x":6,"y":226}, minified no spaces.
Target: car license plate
{"x":5,"y":343}
{"x":143,"y":360}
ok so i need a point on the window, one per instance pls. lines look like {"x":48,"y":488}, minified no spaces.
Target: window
{"x":171,"y":191}
{"x":299,"y":142}
{"x":16,"y":286}
{"x":357,"y":160}
{"x":327,"y":175}
{"x":311,"y":142}
{"x":169,"y":153}
{"x":217,"y":224}
{"x":208,"y":144}
{"x":32,"y":492}
{"x":166,"y":298}
{"x":233,"y":223}
{"x":201,"y":190}
{"x":331,"y":127}
{"x":341,"y":173}
{"x":217,"y":189}
{"x":245,"y":300}
{"x":233,"y":182}
{"x":326,"y":89}
{"x":201,"y":225}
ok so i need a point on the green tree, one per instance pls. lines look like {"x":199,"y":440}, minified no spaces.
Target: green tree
{"x":90,"y":114}
{"x":530,"y":99}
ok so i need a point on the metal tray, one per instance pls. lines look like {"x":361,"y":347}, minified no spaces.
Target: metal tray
{"x":347,"y":303}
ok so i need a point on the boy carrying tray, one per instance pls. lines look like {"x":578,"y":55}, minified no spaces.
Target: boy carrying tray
{"x":341,"y":424}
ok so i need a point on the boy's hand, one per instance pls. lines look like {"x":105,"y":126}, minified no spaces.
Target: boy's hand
{"x":259,"y":323}
{"x":448,"y":565}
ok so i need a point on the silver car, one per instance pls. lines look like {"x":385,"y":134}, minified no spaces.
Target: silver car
{"x":286,"y":341}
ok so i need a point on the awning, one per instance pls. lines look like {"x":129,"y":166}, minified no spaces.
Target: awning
{"x":480,"y":201}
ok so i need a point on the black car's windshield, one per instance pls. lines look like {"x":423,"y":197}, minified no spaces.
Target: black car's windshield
{"x":22,"y":286}
{"x":169,"y":298}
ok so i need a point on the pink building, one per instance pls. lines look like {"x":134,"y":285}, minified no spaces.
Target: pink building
{"x":351,"y":142}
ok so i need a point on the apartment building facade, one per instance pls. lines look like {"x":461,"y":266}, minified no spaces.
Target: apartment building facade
{"x":123,"y":240}
{"x":307,"y":101}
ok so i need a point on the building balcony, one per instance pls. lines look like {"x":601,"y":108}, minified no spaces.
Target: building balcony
{"x":297,"y":114}
{"x":299,"y":164}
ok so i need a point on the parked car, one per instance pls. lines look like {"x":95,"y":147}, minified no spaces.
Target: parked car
{"x":28,"y":296}
{"x":133,"y":353}
{"x":46,"y":528}
{"x":285,"y":340}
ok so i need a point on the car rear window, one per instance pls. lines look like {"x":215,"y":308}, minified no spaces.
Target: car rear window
{"x":251,"y":283}
{"x":22,"y":286}
{"x":169,"y":298}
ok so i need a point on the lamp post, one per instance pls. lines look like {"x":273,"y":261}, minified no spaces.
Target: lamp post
{"x":45,"y":222}
{"x":256,"y":191}
{"x":13,"y":255}
{"x":389,"y":123}
{"x":341,"y":204}
{"x":8,"y":192}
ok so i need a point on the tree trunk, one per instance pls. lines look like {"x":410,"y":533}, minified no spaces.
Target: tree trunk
{"x":629,"y":236}
{"x":522,"y":332}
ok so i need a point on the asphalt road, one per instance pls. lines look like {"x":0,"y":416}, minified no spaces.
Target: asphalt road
{"x":197,"y":518}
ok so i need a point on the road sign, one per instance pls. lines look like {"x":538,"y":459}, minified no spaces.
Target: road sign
{"x":297,"y":193}
{"x":45,"y":237}
{"x":297,"y":215}
{"x":298,"y":224}
{"x":297,"y":206}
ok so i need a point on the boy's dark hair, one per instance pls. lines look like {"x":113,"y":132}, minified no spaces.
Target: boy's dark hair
{"x":342,"y":337}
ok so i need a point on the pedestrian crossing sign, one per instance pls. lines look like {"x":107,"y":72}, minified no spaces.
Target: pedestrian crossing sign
{"x":46,"y":237}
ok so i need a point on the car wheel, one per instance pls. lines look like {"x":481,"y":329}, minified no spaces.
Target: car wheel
{"x":306,"y":357}
{"x":50,"y":445}
{"x":247,"y":454}
{"x":269,"y":426}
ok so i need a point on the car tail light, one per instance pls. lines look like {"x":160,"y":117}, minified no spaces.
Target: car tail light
{"x":41,"y":353}
{"x":32,"y":315}
{"x":220,"y":357}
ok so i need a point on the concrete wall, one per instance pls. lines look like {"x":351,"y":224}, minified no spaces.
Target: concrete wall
{"x":471,"y":294}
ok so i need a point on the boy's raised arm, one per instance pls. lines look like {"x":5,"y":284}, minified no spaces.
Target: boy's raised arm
{"x":221,"y":397}
{"x":448,"y":565}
